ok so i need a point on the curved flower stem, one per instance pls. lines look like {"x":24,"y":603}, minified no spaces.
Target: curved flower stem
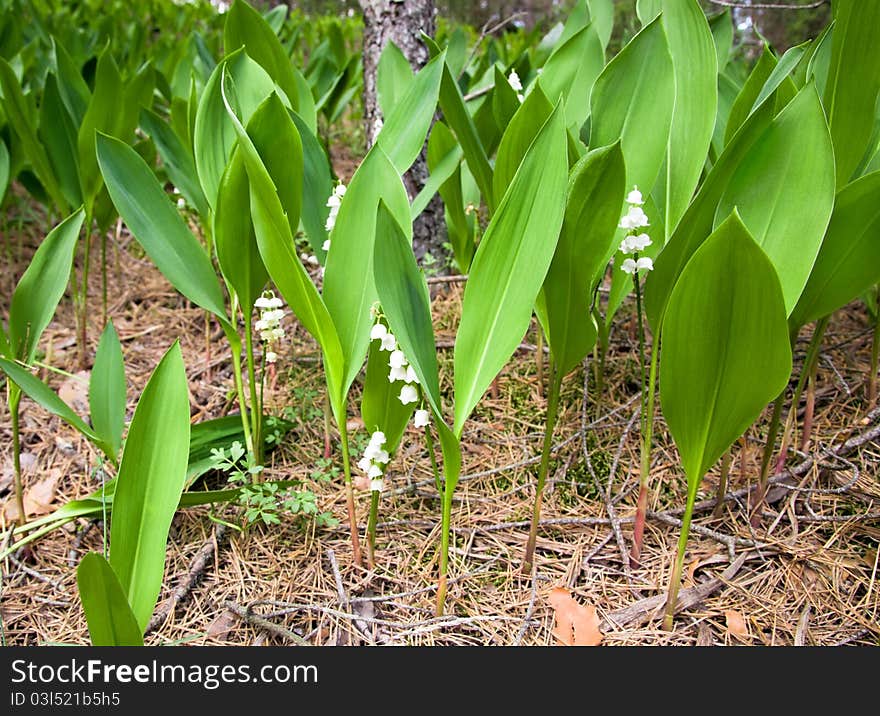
{"x":675,"y":578}
{"x":552,"y":411}
{"x":256,"y":407}
{"x":444,"y":549}
{"x":13,"y":398}
{"x":649,"y":384}
{"x":349,"y":493}
{"x":875,"y":358}
{"x":242,"y":402}
{"x":371,"y":528}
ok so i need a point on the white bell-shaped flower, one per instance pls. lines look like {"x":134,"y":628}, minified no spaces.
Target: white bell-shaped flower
{"x":420,"y":419}
{"x":635,"y":197}
{"x":628,"y":266}
{"x":378,"y":332}
{"x":408,"y":394}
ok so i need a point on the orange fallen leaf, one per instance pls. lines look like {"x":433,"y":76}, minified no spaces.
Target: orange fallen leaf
{"x":38,"y":498}
{"x":576,"y":624}
{"x":736,"y":624}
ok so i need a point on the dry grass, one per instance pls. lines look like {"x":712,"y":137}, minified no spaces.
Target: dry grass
{"x":812,"y":579}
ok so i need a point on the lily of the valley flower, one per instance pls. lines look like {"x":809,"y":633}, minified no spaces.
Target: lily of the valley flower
{"x":635,"y":197}
{"x":373,"y":461}
{"x":635,"y":218}
{"x":408,"y":394}
{"x":334,"y":202}
{"x":632,"y":266}
{"x":635,"y":243}
{"x":269,"y":323}
{"x":516,"y":84}
{"x":420,"y":419}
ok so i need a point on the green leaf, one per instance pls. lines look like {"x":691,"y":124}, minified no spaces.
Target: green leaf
{"x":726,"y":351}
{"x":176,"y":159}
{"x":461,"y":226}
{"x":509,"y":267}
{"x":148,"y":486}
{"x":403,"y":134}
{"x":394,"y":76}
{"x":245,"y":27}
{"x":596,"y":190}
{"x":460,"y":121}
{"x":779,"y":75}
{"x":696,"y":95}
{"x":647,"y":10}
{"x":74,"y":90}
{"x":406,"y":303}
{"x":214,"y":134}
{"x":18,"y":115}
{"x":156,"y":224}
{"x":505,"y":102}
{"x":747,"y":96}
{"x":848,"y":263}
{"x":602,"y":17}
{"x":317,"y":186}
{"x":45,"y":397}
{"x":518,"y":137}
{"x":441,"y":170}
{"x":4,"y":170}
{"x":100,"y":117}
{"x":108,"y":614}
{"x":784,"y":194}
{"x":349,"y":287}
{"x":276,"y":245}
{"x":721,"y":26}
{"x":380,"y":407}
{"x":234,"y":238}
{"x":632,"y":101}
{"x":853,"y":83}
{"x":58,"y":135}
{"x":41,"y":287}
{"x":107,"y":391}
{"x":570,"y":72}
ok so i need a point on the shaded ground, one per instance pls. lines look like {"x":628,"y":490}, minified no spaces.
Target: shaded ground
{"x":810,"y":580}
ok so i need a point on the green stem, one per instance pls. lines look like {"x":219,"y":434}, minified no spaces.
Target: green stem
{"x":649,"y":392}
{"x":13,"y":393}
{"x":104,"y":301}
{"x":726,"y":460}
{"x":444,"y":549}
{"x":675,"y":579}
{"x":602,"y":352}
{"x":552,"y":410}
{"x":371,"y":528}
{"x":641,"y":328}
{"x":429,"y":440}
{"x":349,"y":492}
{"x":875,"y":358}
{"x":256,"y":407}
{"x":242,"y":402}
{"x":83,"y":307}
{"x":539,"y":358}
{"x":766,"y":459}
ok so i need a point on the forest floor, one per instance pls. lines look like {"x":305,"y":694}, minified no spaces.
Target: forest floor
{"x":807,"y":575}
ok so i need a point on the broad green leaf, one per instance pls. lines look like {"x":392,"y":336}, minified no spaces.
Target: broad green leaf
{"x":246,"y":28}
{"x":696,"y":95}
{"x":149,"y":483}
{"x":349,"y":287}
{"x":109,"y":617}
{"x":403,"y":134}
{"x":461,"y":226}
{"x":784,"y":194}
{"x":632,"y":101}
{"x":602,"y":17}
{"x":100,"y":117}
{"x":317,"y":186}
{"x":848,"y":263}
{"x":18,"y":115}
{"x":596,"y":190}
{"x":234,"y":238}
{"x":753,"y":86}
{"x":647,"y":10}
{"x":509,"y":267}
{"x":505,"y":102}
{"x":459,"y":120}
{"x":780,"y":74}
{"x":58,"y":135}
{"x":381,"y":408}
{"x":41,"y":287}
{"x":393,"y":78}
{"x":176,"y":159}
{"x":107,"y":391}
{"x":518,"y":137}
{"x":728,"y":90}
{"x":74,"y":90}
{"x":406,"y":303}
{"x":46,"y":398}
{"x":157,"y":225}
{"x":4,"y":170}
{"x":440,"y":174}
{"x":726,"y":351}
{"x":853,"y":82}
{"x":570,"y":73}
{"x":697,"y":223}
{"x":214,"y":135}
{"x":276,"y":245}
{"x":721,"y":26}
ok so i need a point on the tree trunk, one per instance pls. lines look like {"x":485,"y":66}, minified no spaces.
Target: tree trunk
{"x":401,"y":23}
